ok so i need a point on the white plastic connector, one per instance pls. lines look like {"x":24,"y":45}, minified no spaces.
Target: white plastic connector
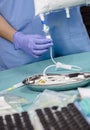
{"x":60,"y":65}
{"x":68,"y":67}
{"x":45,"y":28}
{"x":67,"y":12}
{"x":42,"y":17}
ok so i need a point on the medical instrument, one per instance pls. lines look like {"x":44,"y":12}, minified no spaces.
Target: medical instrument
{"x":47,"y":6}
{"x":11,"y":88}
{"x":57,"y":82}
{"x":56,"y":64}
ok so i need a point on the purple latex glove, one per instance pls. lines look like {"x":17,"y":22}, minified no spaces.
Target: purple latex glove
{"x":34,"y":45}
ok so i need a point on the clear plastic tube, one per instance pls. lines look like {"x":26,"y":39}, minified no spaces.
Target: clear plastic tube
{"x":56,"y":64}
{"x":50,"y":66}
{"x":51,"y":55}
{"x":11,"y":88}
{"x":46,"y":30}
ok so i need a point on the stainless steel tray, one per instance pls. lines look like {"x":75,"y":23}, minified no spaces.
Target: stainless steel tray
{"x":57,"y":81}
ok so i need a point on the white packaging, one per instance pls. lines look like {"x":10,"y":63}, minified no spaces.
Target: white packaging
{"x":46,"y":6}
{"x":84,"y":92}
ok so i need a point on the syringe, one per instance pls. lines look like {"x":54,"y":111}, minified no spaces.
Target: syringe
{"x":11,"y":88}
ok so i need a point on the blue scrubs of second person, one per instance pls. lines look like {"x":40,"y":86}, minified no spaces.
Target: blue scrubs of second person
{"x":69,"y":35}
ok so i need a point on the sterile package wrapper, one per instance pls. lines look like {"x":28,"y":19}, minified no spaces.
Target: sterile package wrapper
{"x":50,"y":98}
{"x":46,"y":6}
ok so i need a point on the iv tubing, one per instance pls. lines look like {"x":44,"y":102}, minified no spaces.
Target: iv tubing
{"x":56,"y":64}
{"x":52,"y":56}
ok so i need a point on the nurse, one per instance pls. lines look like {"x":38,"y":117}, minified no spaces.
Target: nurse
{"x":22,"y":40}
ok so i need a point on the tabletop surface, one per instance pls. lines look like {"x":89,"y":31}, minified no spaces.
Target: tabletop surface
{"x":16,"y":75}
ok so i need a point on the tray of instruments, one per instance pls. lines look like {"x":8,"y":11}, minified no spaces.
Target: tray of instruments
{"x":57,"y":82}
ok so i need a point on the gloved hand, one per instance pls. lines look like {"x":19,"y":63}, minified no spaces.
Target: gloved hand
{"x":34,"y":45}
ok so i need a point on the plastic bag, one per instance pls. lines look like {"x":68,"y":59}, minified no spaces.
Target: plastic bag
{"x":51,"y":98}
{"x":85,"y":105}
{"x":10,"y":104}
{"x":46,"y":6}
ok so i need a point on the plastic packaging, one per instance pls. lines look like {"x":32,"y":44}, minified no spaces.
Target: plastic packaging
{"x":51,"y":98}
{"x":10,"y":103}
{"x":85,"y":105}
{"x":46,"y":6}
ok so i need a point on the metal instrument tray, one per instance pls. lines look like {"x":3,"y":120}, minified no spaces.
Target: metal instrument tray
{"x":57,"y":81}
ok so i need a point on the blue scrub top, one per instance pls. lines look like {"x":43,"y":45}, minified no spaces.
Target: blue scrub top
{"x":69,"y":35}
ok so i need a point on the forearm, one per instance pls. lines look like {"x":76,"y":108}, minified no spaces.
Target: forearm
{"x":6,"y":31}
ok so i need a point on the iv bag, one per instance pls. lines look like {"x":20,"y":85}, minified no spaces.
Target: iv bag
{"x":46,"y":6}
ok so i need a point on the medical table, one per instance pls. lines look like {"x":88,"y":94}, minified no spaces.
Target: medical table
{"x":16,"y":75}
